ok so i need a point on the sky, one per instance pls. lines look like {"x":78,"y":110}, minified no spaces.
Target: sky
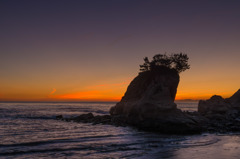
{"x":90,"y":50}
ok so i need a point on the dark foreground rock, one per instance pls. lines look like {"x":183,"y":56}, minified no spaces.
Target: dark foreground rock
{"x":223,"y":115}
{"x":235,"y":100}
{"x":183,"y":123}
{"x":149,"y":92}
{"x":148,"y":104}
{"x":216,"y":104}
{"x":89,"y":118}
{"x":214,"y":115}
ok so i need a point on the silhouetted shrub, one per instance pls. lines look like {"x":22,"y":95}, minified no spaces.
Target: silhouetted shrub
{"x":178,"y":62}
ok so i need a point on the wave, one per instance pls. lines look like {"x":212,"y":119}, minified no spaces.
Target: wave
{"x":163,"y":145}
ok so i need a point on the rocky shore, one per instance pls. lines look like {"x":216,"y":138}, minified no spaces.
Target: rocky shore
{"x":171,"y":122}
{"x":148,"y":104}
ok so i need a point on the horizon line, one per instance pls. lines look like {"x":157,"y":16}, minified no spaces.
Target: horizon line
{"x":83,"y":101}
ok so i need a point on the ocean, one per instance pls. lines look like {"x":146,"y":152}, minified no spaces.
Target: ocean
{"x":30,"y":130}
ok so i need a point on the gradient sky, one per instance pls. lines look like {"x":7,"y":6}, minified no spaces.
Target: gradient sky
{"x":90,"y":50}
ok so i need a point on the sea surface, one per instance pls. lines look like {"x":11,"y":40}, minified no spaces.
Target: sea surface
{"x":29,"y":130}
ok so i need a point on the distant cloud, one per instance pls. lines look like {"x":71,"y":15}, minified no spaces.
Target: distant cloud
{"x":53,"y":91}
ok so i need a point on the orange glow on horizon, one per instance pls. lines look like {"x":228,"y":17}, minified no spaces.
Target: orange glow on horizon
{"x":200,"y":96}
{"x":105,"y":95}
{"x":88,"y":95}
{"x":106,"y":92}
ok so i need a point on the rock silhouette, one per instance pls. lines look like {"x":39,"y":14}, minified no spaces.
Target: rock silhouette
{"x":235,"y":100}
{"x":149,"y":103}
{"x":212,"y":116}
{"x":216,"y":104}
{"x":149,"y":90}
{"x":221,"y":115}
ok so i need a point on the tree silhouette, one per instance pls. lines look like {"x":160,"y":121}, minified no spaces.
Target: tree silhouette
{"x":145,"y":66}
{"x":178,"y":62}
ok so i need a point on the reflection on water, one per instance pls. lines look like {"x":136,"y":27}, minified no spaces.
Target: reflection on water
{"x":29,"y":130}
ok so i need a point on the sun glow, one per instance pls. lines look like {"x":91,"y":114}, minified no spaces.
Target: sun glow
{"x":94,"y":95}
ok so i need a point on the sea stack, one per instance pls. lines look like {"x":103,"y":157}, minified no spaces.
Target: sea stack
{"x":149,"y":100}
{"x":148,"y":94}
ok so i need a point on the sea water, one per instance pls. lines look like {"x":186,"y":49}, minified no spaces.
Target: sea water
{"x":30,"y":130}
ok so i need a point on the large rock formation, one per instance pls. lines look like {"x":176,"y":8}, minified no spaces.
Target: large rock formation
{"x":148,"y":93}
{"x":149,"y":103}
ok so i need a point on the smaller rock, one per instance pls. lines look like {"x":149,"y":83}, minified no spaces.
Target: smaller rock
{"x":215,"y":116}
{"x":232,"y":114}
{"x":84,"y":117}
{"x":119,"y":120}
{"x":104,"y":119}
{"x":235,"y":100}
{"x":216,"y":104}
{"x":59,"y":117}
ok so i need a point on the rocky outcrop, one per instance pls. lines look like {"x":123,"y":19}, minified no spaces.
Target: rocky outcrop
{"x":235,"y":100}
{"x":216,"y":104}
{"x":214,"y":115}
{"x":149,"y":93}
{"x":149,"y":104}
{"x":222,"y":115}
{"x":88,"y":118}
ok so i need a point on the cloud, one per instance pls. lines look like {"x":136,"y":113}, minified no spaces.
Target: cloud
{"x":53,"y":91}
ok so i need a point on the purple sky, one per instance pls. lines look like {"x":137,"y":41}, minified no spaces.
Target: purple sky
{"x":70,"y":45}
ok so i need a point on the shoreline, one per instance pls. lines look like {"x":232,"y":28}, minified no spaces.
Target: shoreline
{"x":215,"y":123}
